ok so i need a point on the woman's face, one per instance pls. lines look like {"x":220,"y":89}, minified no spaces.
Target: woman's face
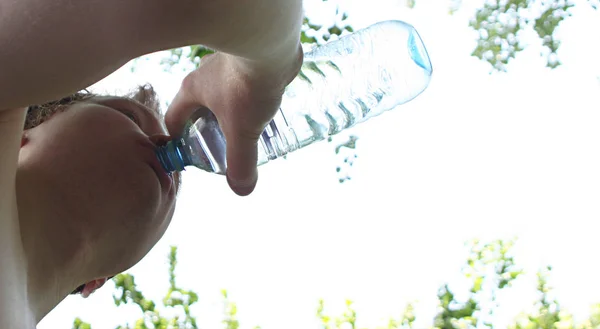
{"x":90,"y":178}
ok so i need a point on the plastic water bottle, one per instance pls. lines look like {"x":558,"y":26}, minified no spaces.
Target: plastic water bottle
{"x":341,"y":84}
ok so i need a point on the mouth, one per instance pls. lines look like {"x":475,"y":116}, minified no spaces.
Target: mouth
{"x":165,"y":179}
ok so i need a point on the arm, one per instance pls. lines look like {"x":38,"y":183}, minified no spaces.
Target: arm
{"x":14,"y":306}
{"x":52,"y":48}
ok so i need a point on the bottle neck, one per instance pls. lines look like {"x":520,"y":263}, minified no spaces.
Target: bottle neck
{"x":170,"y":156}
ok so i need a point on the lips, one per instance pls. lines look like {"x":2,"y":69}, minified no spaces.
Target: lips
{"x":165,"y":179}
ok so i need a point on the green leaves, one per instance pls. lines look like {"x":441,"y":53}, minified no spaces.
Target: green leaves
{"x":346,"y":320}
{"x":311,"y":34}
{"x":500,"y":22}
{"x":547,"y":313}
{"x":318,"y":34}
{"x":545,"y":25}
{"x":347,"y":157}
{"x":79,"y":324}
{"x":125,"y":285}
{"x":324,"y":319}
{"x":179,"y":298}
{"x":489,"y":268}
{"x":453,"y":314}
{"x":230,"y":310}
{"x":176,"y":298}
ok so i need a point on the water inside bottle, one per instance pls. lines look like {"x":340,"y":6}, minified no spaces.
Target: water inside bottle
{"x":332,"y":95}
{"x":340,"y":85}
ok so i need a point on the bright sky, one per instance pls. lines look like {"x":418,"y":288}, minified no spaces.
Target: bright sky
{"x":476,"y":155}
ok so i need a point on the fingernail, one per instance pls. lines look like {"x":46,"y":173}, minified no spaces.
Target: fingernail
{"x":242,"y":187}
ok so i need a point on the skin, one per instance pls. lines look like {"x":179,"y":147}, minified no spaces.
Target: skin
{"x":126,"y":201}
{"x":80,"y":196}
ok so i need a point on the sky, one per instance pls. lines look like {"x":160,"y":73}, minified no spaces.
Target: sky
{"x":477,"y":155}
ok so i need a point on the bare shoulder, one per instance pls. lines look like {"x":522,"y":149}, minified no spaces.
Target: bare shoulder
{"x":14,"y":306}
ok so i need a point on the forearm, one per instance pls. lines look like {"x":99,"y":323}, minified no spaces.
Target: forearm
{"x":52,"y":48}
{"x":266,"y":30}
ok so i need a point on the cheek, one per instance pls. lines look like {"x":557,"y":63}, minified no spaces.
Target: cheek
{"x":90,"y":171}
{"x":97,"y":174}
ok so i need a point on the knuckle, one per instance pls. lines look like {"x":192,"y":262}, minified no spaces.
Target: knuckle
{"x":188,"y":84}
{"x":252,"y":136}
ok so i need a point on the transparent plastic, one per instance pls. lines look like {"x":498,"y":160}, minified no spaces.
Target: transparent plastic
{"x":341,"y":84}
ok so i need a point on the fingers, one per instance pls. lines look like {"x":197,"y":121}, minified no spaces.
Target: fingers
{"x":241,"y":146}
{"x":242,"y":156}
{"x":183,"y":106}
{"x":243,"y":104}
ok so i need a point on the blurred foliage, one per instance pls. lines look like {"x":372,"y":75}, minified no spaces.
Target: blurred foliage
{"x":230,"y":321}
{"x":490,"y":270}
{"x":501,"y":23}
{"x":177,"y":299}
{"x":321,"y":34}
{"x":313,"y":34}
{"x":500,"y":26}
{"x":79,"y":324}
{"x":346,"y":152}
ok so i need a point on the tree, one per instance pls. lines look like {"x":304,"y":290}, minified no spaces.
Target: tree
{"x":500,"y":23}
{"x":312,"y":34}
{"x":490,"y":268}
{"x":489,"y":265}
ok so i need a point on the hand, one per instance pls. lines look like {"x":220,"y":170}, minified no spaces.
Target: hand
{"x":244,"y":95}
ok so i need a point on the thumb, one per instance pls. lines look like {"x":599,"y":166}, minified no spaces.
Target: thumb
{"x":242,"y":156}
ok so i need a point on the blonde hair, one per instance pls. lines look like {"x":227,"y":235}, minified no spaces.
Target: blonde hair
{"x":38,"y":114}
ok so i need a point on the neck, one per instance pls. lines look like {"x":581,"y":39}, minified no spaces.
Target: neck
{"x":53,"y":253}
{"x":42,"y":296}
{"x":48,"y":280}
{"x":13,"y":265}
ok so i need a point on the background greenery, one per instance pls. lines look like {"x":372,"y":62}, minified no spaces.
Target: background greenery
{"x":498,"y":23}
{"x":490,"y":269}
